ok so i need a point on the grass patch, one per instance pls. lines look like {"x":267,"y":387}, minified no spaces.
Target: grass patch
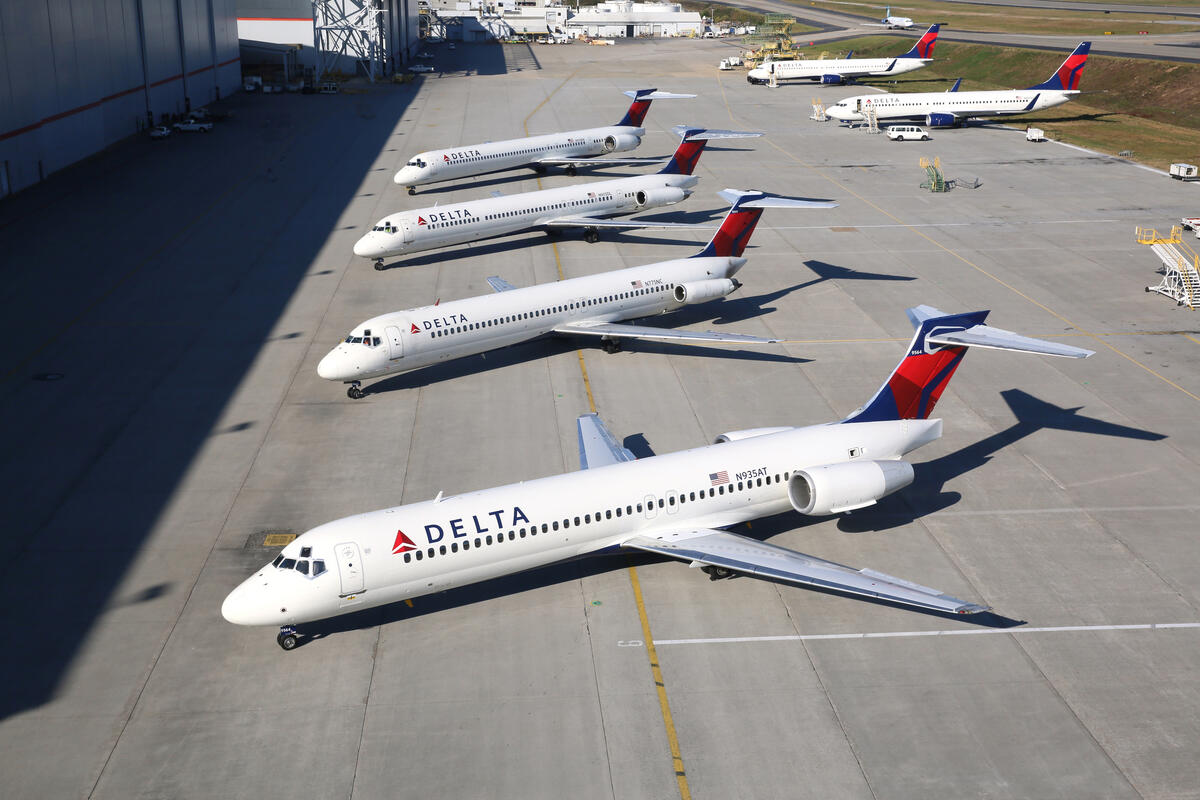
{"x":1012,"y":19}
{"x":737,"y":16}
{"x":1149,"y":107}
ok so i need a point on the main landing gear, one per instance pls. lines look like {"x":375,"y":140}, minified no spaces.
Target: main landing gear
{"x":288,"y":638}
{"x":379,"y":264}
{"x":412,"y":190}
{"x":717,"y":573}
{"x":591,"y":235}
{"x":571,"y":171}
{"x":610,"y":345}
{"x":354,"y":392}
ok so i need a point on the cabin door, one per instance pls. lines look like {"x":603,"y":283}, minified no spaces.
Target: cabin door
{"x":395,"y":343}
{"x":349,"y":562}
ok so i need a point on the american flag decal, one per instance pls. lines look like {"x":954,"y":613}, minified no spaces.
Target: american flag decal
{"x":591,"y":194}
{"x":718,"y":478}
{"x":636,"y":284}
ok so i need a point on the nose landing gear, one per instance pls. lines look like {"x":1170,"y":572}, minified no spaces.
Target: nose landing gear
{"x":379,"y":264}
{"x":354,"y":392}
{"x":412,"y":190}
{"x":288,"y":638}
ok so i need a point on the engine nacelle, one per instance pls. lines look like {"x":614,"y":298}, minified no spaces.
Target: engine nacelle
{"x":749,"y":433}
{"x":699,"y":291}
{"x":666,"y":196}
{"x":619,"y":143}
{"x":834,"y":488}
{"x":835,"y":80}
{"x":941,"y":120}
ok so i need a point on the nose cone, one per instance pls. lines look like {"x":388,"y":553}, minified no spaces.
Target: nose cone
{"x":335,"y":366}
{"x":367,"y":247}
{"x":407,"y":176}
{"x":758,"y":74}
{"x":249,"y":605}
{"x":840,"y":114}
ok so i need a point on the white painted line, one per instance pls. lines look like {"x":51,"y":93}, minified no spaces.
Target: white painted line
{"x":908,"y":634}
{"x":971,"y":224}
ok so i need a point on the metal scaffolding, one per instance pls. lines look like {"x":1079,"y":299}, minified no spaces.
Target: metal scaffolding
{"x":351,"y":30}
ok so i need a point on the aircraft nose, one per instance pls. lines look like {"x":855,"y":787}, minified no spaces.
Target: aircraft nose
{"x":333,"y":366}
{"x":242,"y":606}
{"x":365,"y":248}
{"x":406,"y":176}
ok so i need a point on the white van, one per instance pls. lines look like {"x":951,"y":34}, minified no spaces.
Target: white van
{"x":900,"y":133}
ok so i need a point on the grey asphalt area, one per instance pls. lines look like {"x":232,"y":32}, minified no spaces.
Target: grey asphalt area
{"x":162,"y":416}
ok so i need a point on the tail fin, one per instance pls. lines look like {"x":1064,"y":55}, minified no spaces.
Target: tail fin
{"x":954,"y":88}
{"x":937,"y":348}
{"x":1066,"y":77}
{"x":924,"y":46}
{"x":735,"y":231}
{"x":641,"y":104}
{"x":691,"y":145}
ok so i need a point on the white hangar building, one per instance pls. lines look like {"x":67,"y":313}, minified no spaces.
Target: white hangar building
{"x":623,"y":18}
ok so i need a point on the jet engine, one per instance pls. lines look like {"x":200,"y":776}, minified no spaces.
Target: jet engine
{"x":941,"y":120}
{"x":835,"y":80}
{"x":666,"y":196}
{"x":699,"y":291}
{"x":620,"y":142}
{"x":735,"y":436}
{"x":834,"y":488}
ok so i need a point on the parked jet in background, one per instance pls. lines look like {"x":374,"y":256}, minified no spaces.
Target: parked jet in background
{"x":587,"y":306}
{"x":840,"y":70}
{"x":570,"y":149}
{"x":581,"y":206}
{"x":946,"y":109}
{"x":676,"y":505}
{"x":891,"y":20}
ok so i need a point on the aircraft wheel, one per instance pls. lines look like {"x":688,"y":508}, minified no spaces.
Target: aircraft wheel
{"x":571,"y":171}
{"x":287,"y":641}
{"x":719,"y":572}
{"x":379,"y":265}
{"x":355,"y":393}
{"x":412,"y":190}
{"x":591,"y":236}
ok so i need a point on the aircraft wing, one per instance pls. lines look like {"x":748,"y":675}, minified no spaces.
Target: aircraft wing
{"x":759,"y":559}
{"x":587,"y":162}
{"x":621,"y":330}
{"x":597,"y":446}
{"x":656,"y":95}
{"x":596,"y":222}
{"x":499,"y":284}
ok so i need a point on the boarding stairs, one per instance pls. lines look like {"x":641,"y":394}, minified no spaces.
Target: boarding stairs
{"x":872,"y":120}
{"x":1180,"y":265}
{"x":936,"y":181}
{"x":819,"y":111}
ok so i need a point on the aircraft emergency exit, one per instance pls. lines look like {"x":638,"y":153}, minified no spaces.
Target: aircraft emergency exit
{"x":588,"y":306}
{"x":677,"y":505}
{"x":947,"y":109}
{"x":570,"y":149}
{"x":582,"y":206}
{"x":841,"y":70}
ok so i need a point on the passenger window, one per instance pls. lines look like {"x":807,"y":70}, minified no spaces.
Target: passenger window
{"x":418,"y":555}
{"x":431,"y":552}
{"x":739,"y":486}
{"x":608,"y":514}
{"x":454,"y":547}
{"x":511,"y":536}
{"x":618,"y":513}
{"x":478,"y":542}
{"x":671,"y":499}
{"x":555,"y":525}
{"x":660,"y":503}
{"x":693,"y":497}
{"x":639,"y":508}
{"x":721,"y":489}
{"x":577,"y":522}
{"x":442,"y":550}
{"x":629,"y":509}
{"x":543,"y":527}
{"x":467,"y":545}
{"x":407,"y":557}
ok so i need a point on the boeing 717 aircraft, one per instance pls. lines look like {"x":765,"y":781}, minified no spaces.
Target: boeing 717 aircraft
{"x":587,"y":306}
{"x":570,"y":149}
{"x":891,"y":20}
{"x":946,"y":109}
{"x":677,"y":505}
{"x":841,"y":70}
{"x":582,"y":206}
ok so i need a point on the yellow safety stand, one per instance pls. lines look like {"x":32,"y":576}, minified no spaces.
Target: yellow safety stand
{"x":936,"y":182}
{"x":1180,"y":265}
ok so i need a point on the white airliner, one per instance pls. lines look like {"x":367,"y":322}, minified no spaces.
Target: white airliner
{"x":891,"y":20}
{"x":840,"y":70}
{"x":587,"y":306}
{"x":581,"y":206}
{"x":946,"y":109}
{"x":676,"y":505}
{"x":569,"y":148}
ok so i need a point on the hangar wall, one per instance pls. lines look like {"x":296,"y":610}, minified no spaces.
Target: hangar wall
{"x":79,"y":75}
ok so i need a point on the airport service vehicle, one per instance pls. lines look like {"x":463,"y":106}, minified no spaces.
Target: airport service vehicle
{"x":1033,"y":134}
{"x":587,"y":306}
{"x":677,"y":505}
{"x":902,"y":133}
{"x":1185,"y":172}
{"x":583,"y":206}
{"x":569,"y":148}
{"x":842,"y":70}
{"x":420,"y":68}
{"x":160,"y":132}
{"x":1191,"y":224}
{"x":193,"y":125}
{"x":948,"y":109}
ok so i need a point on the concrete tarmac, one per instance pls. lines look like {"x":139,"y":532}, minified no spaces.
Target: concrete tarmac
{"x":162,"y":416}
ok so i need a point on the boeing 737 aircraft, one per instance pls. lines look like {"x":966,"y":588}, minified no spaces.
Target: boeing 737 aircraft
{"x":587,"y":306}
{"x":946,"y":109}
{"x":676,"y":505}
{"x":840,"y":70}
{"x":582,"y":206}
{"x":570,"y":149}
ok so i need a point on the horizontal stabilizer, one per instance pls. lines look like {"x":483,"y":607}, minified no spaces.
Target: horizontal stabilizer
{"x":694,"y":133}
{"x":656,"y":95}
{"x":597,"y":446}
{"x":759,"y":559}
{"x":771,"y":201}
{"x":499,"y":284}
{"x":619,"y":330}
{"x":991,"y":338}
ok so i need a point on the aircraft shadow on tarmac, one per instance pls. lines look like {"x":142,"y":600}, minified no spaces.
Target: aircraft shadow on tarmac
{"x":927,"y":493}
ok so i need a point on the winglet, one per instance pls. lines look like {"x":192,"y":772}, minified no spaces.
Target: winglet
{"x":954,"y":88}
{"x":597,"y":446}
{"x":747,"y":206}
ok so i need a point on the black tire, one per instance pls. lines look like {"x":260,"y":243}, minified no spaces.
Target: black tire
{"x":571,"y":171}
{"x":379,"y":266}
{"x":924,"y":138}
{"x":412,"y":190}
{"x":287,"y":641}
{"x":721,"y":572}
{"x":355,"y":393}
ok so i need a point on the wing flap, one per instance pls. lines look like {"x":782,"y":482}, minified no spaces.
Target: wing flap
{"x":597,"y":446}
{"x":620,"y":330}
{"x":752,"y":557}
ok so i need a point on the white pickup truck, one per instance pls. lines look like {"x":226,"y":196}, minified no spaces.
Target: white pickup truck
{"x":193,"y":125}
{"x":1191,"y":224}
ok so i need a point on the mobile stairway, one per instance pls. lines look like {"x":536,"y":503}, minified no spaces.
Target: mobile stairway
{"x":1180,"y":265}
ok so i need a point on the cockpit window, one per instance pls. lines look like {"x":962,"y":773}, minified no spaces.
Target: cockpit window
{"x":305,"y":552}
{"x":288,"y":563}
{"x":416,"y":162}
{"x":318,"y":567}
{"x":275,"y":563}
{"x":302,"y":567}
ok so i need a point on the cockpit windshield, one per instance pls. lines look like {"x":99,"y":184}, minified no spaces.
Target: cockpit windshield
{"x":366,"y":338}
{"x":386,"y":227}
{"x":416,"y":162}
{"x":302,"y":565}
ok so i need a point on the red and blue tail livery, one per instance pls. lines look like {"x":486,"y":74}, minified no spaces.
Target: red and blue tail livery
{"x":691,"y":145}
{"x":937,"y":348}
{"x":641,"y":104}
{"x":924,"y":46}
{"x":731,"y":238}
{"x":1066,"y":77}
